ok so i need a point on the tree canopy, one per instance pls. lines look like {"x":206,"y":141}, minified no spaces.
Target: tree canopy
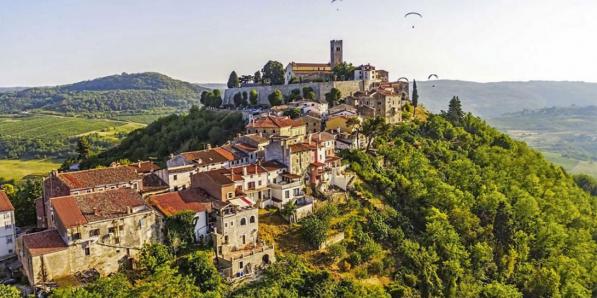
{"x":273,"y":73}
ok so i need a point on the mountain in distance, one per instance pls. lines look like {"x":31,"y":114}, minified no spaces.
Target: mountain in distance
{"x":490,"y":100}
{"x":124,"y":92}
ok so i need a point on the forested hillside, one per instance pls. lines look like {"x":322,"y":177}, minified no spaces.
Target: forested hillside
{"x":174,"y":133}
{"x":497,"y":98}
{"x":446,"y":208}
{"x":124,"y":92}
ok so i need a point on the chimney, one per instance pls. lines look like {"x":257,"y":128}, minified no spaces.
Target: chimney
{"x":95,"y":212}
{"x":208,"y":146}
{"x":129,"y":210}
{"x":244,"y":171}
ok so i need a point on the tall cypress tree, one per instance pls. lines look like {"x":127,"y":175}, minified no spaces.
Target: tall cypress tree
{"x":233,"y":80}
{"x":415,"y":97}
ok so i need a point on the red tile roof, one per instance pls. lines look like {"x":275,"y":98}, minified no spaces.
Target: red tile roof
{"x":44,"y":242}
{"x":96,"y":177}
{"x":245,"y":147}
{"x":298,"y":122}
{"x":193,"y":199}
{"x":272,"y":165}
{"x":144,"y":166}
{"x":208,"y":156}
{"x":80,"y":209}
{"x":5,"y":204}
{"x":270,"y":121}
{"x":322,"y":137}
{"x":300,"y":147}
{"x":299,"y":64}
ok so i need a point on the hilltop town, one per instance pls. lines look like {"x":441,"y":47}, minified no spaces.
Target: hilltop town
{"x":95,"y":220}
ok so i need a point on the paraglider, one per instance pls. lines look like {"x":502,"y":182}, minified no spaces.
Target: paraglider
{"x":403,"y":78}
{"x":413,"y":14}
{"x":433,"y":76}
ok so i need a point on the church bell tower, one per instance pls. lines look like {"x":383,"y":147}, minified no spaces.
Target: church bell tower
{"x":335,"y":52}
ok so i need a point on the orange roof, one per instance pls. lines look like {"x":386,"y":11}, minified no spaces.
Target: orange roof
{"x":216,"y":155}
{"x":298,"y":64}
{"x":44,"y":242}
{"x":95,"y":177}
{"x":298,"y":122}
{"x":193,"y":199}
{"x":244,"y":147}
{"x":81,"y":209}
{"x":270,"y":121}
{"x":322,"y":137}
{"x":144,"y":166}
{"x":300,"y":147}
{"x":272,"y":165}
{"x":5,"y":204}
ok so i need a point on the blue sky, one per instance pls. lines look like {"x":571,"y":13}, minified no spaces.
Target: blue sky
{"x":55,"y":42}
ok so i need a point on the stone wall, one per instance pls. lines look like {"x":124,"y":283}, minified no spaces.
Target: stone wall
{"x":320,"y":89}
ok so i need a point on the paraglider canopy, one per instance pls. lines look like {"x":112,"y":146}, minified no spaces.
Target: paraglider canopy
{"x":402,"y":79}
{"x":433,"y":76}
{"x":411,"y":14}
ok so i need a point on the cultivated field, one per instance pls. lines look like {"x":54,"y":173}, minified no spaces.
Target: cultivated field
{"x":17,"y":169}
{"x":51,"y":127}
{"x":571,"y":165}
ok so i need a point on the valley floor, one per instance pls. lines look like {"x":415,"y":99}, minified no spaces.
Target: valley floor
{"x":17,"y":169}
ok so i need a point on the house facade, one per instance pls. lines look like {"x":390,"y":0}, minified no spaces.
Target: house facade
{"x":7,"y":227}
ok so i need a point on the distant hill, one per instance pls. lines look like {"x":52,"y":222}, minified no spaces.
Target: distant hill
{"x":494,"y":99}
{"x":124,"y":92}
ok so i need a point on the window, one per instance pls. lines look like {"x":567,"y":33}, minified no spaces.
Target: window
{"x":243,"y":221}
{"x":112,"y":230}
{"x":287,"y":194}
{"x":6,"y":215}
{"x":226,"y":239}
{"x":121,"y":228}
{"x":252,"y":219}
{"x":117,"y":240}
{"x":141,"y":223}
{"x":175,"y":188}
{"x":175,"y":177}
{"x":230,"y":195}
{"x":259,"y":183}
{"x":8,"y":240}
{"x":240,"y":264}
{"x":87,"y":251}
{"x":76,"y":236}
{"x":8,"y":226}
{"x":94,"y":233}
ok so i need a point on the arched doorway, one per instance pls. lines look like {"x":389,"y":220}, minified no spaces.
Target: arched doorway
{"x":265,"y":259}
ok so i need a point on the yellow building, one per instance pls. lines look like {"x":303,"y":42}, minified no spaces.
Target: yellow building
{"x":336,"y":123}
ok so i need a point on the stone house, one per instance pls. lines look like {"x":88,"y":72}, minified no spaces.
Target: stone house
{"x":239,"y":251}
{"x":84,"y":182}
{"x":339,"y":123}
{"x":308,"y":106}
{"x":101,"y":231}
{"x":270,"y":125}
{"x":368,"y":72}
{"x":194,"y":200}
{"x":313,"y":124}
{"x":385,"y":103}
{"x":342,"y":110}
{"x":7,"y":227}
{"x":180,"y":167}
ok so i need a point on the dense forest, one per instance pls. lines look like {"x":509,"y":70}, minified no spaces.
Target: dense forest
{"x":449,"y":207}
{"x":124,"y":92}
{"x":174,"y":133}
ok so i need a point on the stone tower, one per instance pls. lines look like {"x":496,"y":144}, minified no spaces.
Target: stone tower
{"x":335,"y":52}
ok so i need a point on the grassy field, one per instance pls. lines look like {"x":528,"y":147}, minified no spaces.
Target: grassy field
{"x":571,"y":165}
{"x":17,"y":169}
{"x":50,"y":127}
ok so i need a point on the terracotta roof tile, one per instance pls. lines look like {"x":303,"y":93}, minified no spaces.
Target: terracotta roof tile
{"x":80,"y":209}
{"x":193,"y":199}
{"x":270,"y":121}
{"x":153,"y":182}
{"x":96,"y":177}
{"x":144,"y":166}
{"x":5,"y":204}
{"x":208,"y":156}
{"x":300,"y":147}
{"x":44,"y":242}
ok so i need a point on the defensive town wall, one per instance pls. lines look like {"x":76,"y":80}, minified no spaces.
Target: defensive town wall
{"x":346,"y":88}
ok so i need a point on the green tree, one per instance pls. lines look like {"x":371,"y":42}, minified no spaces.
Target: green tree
{"x":455,"y":113}
{"x":7,"y":291}
{"x":180,"y":228}
{"x":292,"y":113}
{"x":273,"y":72}
{"x":166,"y":282}
{"x":276,"y":98}
{"x":343,"y":71}
{"x":415,"y":95}
{"x":153,"y":256}
{"x":114,"y":286}
{"x":333,"y":96}
{"x":294,"y":95}
{"x":233,"y":81}
{"x":199,"y":266}
{"x":314,"y":231}
{"x":23,"y":200}
{"x":253,"y":96}
{"x":238,"y":99}
{"x":257,"y":77}
{"x":83,"y":148}
{"x":372,"y":128}
{"x":245,"y":99}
